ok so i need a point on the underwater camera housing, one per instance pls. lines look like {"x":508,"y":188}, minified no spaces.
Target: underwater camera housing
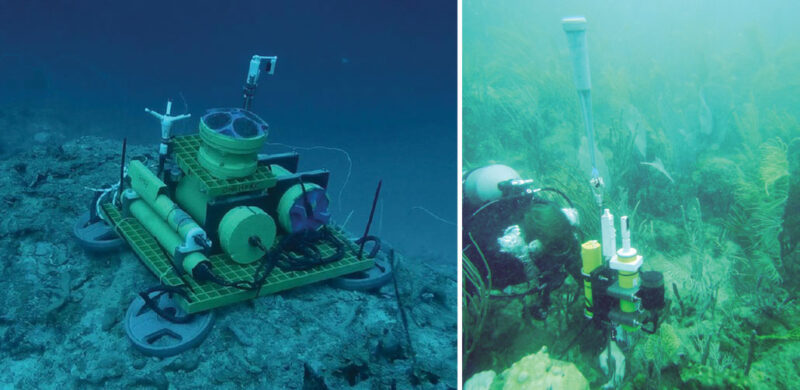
{"x":616,"y":292}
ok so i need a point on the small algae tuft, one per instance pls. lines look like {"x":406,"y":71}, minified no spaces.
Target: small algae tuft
{"x":792,"y":335}
{"x":698,"y":376}
{"x":774,"y":164}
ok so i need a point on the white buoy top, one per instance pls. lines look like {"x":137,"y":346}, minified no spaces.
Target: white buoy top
{"x":574,"y":23}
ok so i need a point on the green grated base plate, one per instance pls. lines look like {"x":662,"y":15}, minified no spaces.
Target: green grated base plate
{"x":209,"y":295}
{"x":185,"y":148}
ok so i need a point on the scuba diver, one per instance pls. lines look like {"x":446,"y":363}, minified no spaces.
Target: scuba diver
{"x":529,"y":242}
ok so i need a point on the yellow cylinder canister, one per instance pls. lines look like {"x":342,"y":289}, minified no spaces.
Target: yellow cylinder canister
{"x":591,"y":257}
{"x":628,"y":280}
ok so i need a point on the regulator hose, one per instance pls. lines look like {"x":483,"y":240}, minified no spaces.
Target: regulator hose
{"x":557,"y":191}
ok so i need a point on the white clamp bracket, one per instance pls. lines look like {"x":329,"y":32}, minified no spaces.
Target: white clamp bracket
{"x":627,"y":251}
{"x":166,"y":120}
{"x":258,"y":64}
{"x":597,"y":184}
{"x":255,"y":67}
{"x":633,"y":266}
{"x":196,"y":240}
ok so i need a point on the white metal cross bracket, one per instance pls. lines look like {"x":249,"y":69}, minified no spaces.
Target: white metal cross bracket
{"x":166,"y":120}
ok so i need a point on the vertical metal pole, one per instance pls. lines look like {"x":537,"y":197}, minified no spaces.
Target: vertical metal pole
{"x":122,"y":168}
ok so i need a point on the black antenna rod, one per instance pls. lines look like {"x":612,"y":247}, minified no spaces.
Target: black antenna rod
{"x":369,"y":222}
{"x":122,"y":167}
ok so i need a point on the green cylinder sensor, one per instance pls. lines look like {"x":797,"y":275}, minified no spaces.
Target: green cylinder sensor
{"x":164,"y":234}
{"x":239,"y":226}
{"x":231,"y":139}
{"x":153,"y":192}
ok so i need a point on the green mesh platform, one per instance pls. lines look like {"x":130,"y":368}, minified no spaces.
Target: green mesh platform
{"x":144,"y":245}
{"x":185,"y":148}
{"x":208,"y":295}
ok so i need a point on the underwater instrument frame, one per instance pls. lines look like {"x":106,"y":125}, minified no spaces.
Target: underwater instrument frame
{"x":617,"y":294}
{"x":218,"y":223}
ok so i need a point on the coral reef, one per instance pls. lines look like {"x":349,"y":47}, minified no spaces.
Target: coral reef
{"x":535,"y":371}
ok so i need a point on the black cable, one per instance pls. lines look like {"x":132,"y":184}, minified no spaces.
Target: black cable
{"x":535,"y":200}
{"x":371,"y":214}
{"x":175,"y":269}
{"x":557,"y":191}
{"x":203,"y":272}
{"x":152,"y":305}
{"x":305,"y":243}
{"x":375,"y":248}
{"x":654,"y":319}
{"x":122,"y":169}
{"x":265,"y":265}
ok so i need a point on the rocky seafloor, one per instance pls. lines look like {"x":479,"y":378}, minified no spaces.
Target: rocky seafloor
{"x":62,"y":308}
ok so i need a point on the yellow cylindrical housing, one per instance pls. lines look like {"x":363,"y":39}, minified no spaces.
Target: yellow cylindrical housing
{"x":591,"y":257}
{"x":628,"y":280}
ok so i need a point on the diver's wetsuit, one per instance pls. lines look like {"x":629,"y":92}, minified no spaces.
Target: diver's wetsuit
{"x":488,"y":223}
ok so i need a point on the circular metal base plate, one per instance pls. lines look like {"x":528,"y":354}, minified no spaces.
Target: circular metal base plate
{"x":370,"y":279}
{"x":96,"y":236}
{"x":155,"y":336}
